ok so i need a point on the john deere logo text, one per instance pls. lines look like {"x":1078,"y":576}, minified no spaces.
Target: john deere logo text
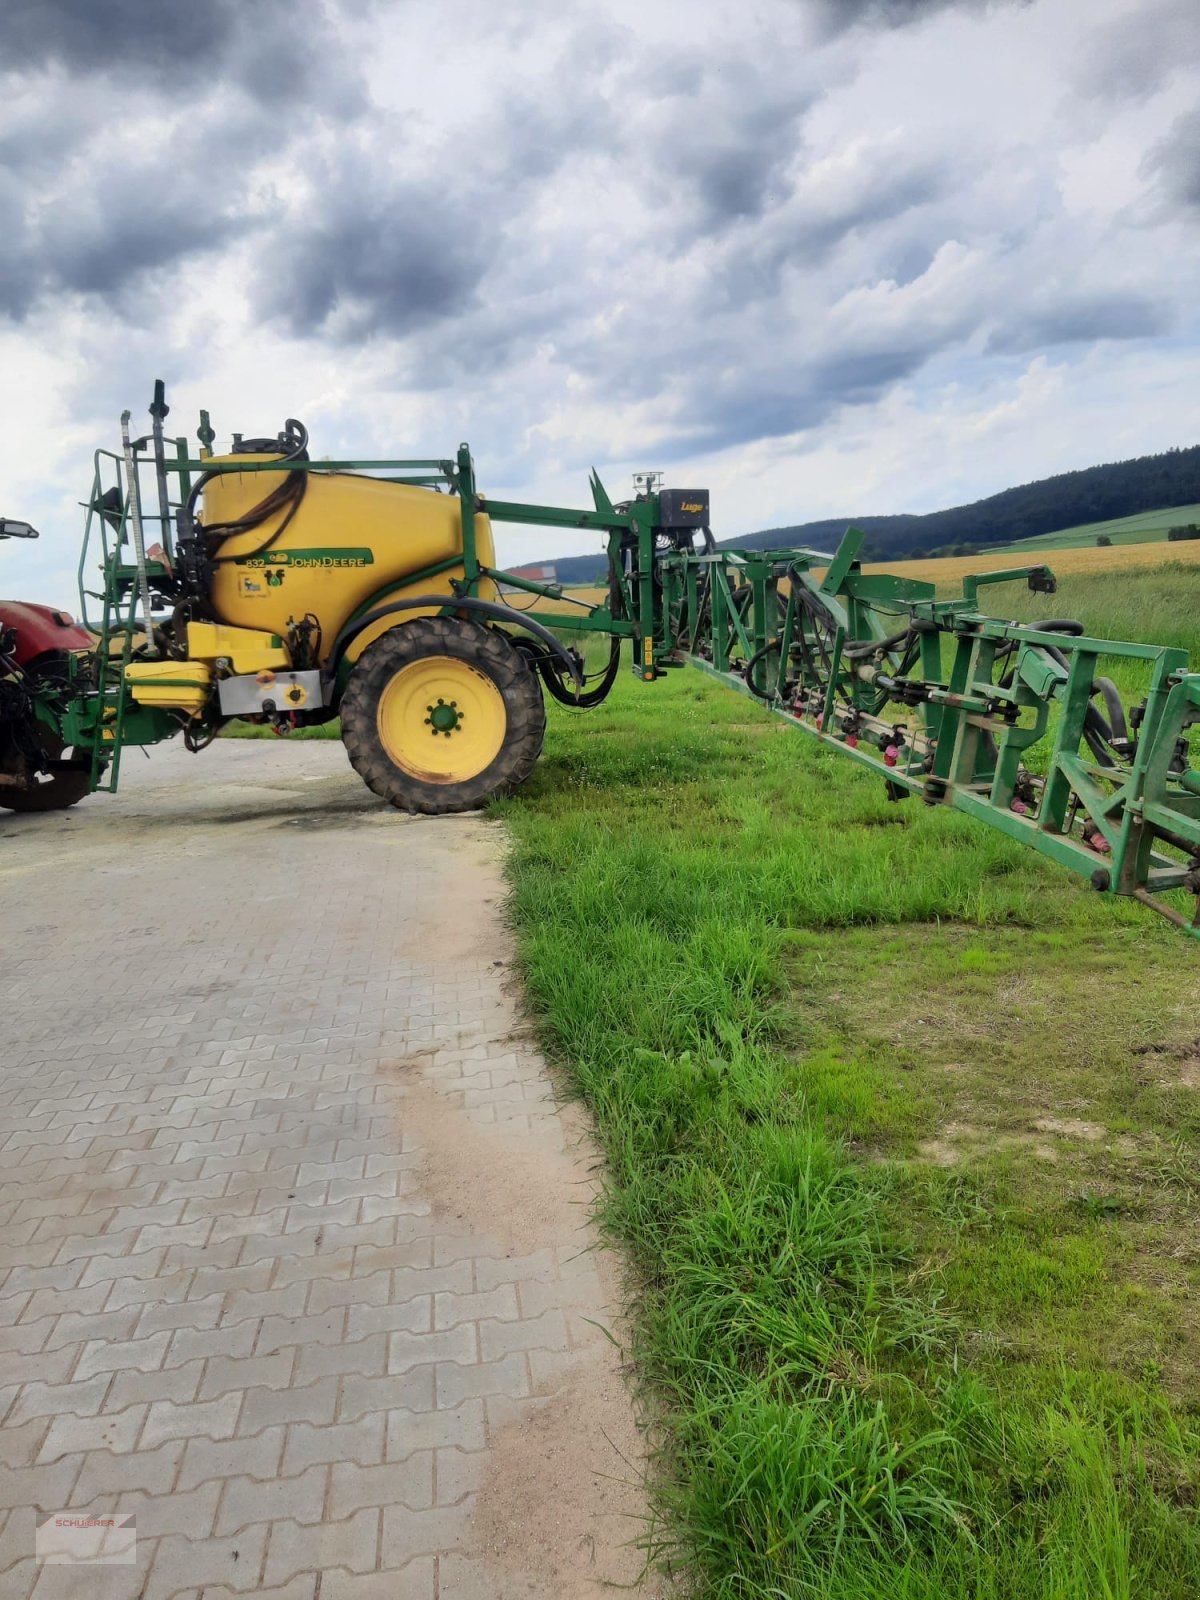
{"x":309,"y":558}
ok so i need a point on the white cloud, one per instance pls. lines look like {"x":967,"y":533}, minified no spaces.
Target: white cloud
{"x":879,"y":267}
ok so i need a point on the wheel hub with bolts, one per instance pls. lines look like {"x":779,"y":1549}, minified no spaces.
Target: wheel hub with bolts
{"x":444,"y":718}
{"x":446,"y":695}
{"x":437,"y":675}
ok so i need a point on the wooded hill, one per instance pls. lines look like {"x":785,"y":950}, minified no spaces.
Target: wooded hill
{"x":1093,"y":494}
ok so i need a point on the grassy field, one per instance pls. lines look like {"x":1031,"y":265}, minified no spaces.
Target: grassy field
{"x":1141,"y":528}
{"x":903,"y":1129}
{"x":948,"y":571}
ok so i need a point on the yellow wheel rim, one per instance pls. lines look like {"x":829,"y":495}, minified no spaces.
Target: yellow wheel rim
{"x":441,"y":720}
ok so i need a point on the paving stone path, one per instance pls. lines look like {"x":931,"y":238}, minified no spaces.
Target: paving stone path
{"x":295,"y":1262}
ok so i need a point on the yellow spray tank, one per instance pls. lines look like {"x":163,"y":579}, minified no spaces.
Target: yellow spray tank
{"x":302,"y":591}
{"x":340,"y":542}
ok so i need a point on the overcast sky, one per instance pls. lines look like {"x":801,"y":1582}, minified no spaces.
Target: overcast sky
{"x":822,"y":256}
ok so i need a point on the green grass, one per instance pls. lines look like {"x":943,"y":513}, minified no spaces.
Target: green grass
{"x":902,"y":1128}
{"x":1144,"y":527}
{"x":1151,"y":605}
{"x":262,"y":730}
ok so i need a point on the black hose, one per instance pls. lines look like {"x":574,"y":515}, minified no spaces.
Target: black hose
{"x":1058,"y":625}
{"x":285,"y":497}
{"x":288,"y":495}
{"x":299,"y":452}
{"x":760,"y":694}
{"x":868,"y":647}
{"x":1097,"y":735}
{"x":583,"y":699}
{"x":1116,"y":711}
{"x":198,"y":735}
{"x":823,"y":623}
{"x":493,"y":610}
{"x":811,"y":604}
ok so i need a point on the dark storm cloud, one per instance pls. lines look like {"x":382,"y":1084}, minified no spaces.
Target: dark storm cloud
{"x":381,"y":251}
{"x":724,"y":156}
{"x":735,"y":161}
{"x":707,"y":232}
{"x":17,"y":266}
{"x":121,"y":35}
{"x":733,"y":182}
{"x":879,"y":210}
{"x":890,"y":191}
{"x":1174,"y":162}
{"x":1133,"y":56}
{"x":741,"y":349}
{"x":103,"y":247}
{"x":377,"y":260}
{"x":84,"y":212}
{"x":133,"y":134}
{"x":837,"y":16}
{"x":268,"y":48}
{"x":806,"y":234}
{"x":111,"y":256}
{"x":739,"y":406}
{"x":1082,"y":319}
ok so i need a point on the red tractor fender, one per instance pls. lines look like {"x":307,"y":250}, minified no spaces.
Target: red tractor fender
{"x":42,"y":629}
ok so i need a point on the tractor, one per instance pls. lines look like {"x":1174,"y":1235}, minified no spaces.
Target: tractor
{"x":37,"y":643}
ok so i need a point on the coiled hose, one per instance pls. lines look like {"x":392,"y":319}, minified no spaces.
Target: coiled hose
{"x":286,"y":497}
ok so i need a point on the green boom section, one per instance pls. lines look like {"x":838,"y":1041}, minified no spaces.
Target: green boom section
{"x":1014,"y":725}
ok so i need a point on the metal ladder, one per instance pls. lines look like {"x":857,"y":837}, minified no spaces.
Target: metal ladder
{"x":126,"y":591}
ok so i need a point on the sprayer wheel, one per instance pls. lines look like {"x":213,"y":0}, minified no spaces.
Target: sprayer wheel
{"x":441,"y":715}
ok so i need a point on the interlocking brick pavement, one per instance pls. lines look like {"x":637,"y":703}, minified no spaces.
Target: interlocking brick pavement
{"x":296,"y":1263}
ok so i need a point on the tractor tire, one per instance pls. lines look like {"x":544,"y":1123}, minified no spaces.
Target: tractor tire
{"x":441,"y":716}
{"x":49,"y":792}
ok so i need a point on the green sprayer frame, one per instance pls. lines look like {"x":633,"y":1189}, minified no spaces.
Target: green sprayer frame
{"x":1008,"y":723}
{"x":994,"y":718}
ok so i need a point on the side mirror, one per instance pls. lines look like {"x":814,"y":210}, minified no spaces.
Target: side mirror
{"x":10,"y":528}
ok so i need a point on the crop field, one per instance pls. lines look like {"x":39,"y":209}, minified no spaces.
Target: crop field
{"x":1141,"y":528}
{"x":903,"y":1139}
{"x":948,"y":571}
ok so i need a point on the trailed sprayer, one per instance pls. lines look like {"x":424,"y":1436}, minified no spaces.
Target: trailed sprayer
{"x":261,"y":584}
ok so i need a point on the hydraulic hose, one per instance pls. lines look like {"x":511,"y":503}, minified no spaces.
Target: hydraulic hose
{"x":286,"y":497}
{"x":1099,"y":734}
{"x":760,"y":694}
{"x":298,"y":452}
{"x":1058,"y":625}
{"x":868,"y":647}
{"x":814,"y":613}
{"x":1119,"y":728}
{"x":491,"y":609}
{"x":583,"y":699}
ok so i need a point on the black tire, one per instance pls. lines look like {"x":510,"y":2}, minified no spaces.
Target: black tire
{"x":405,"y":783}
{"x":47,"y":792}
